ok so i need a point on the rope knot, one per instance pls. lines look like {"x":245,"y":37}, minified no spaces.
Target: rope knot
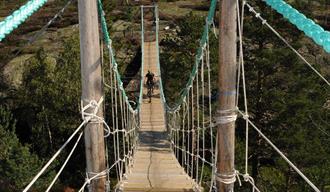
{"x":87,"y":181}
{"x":246,"y":116}
{"x":248,"y":178}
{"x":184,"y":99}
{"x":89,"y":111}
{"x":93,"y":103}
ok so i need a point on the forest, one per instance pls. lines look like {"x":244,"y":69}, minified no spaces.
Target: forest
{"x":40,"y":89}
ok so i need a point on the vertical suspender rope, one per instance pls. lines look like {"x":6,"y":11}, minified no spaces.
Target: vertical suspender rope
{"x":188,"y":133}
{"x":116,"y":125}
{"x":119,"y":97}
{"x":178,"y":130}
{"x":210,"y":106}
{"x":126,"y":151}
{"x":197,"y":127}
{"x":193,"y":140}
{"x":241,"y":64}
{"x":142,"y":58}
{"x":107,"y":166}
{"x":189,"y":102}
{"x":175,"y":133}
{"x":203,"y":114}
{"x":122,"y":129}
{"x":183,"y":136}
{"x":107,"y":188}
{"x":113,"y":114}
{"x":127,"y":134}
{"x":197,"y":58}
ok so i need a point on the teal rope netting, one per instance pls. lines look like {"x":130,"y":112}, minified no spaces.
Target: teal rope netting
{"x":19,"y":16}
{"x":198,"y":59}
{"x":308,"y":26}
{"x":108,"y":42}
{"x":189,"y":121}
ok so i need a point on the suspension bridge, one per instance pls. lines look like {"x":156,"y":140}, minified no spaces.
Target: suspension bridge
{"x":156,"y":147}
{"x":155,"y":167}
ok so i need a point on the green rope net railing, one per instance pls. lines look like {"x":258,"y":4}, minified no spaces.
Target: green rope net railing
{"x":308,"y":26}
{"x":108,"y":43}
{"x":158,"y":60}
{"x":19,"y":16}
{"x":189,"y":121}
{"x":123,"y":118}
{"x":198,"y":59}
{"x":142,"y":57}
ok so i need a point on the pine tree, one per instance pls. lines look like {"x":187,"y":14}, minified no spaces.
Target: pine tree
{"x":48,"y":107}
{"x":17,"y":164}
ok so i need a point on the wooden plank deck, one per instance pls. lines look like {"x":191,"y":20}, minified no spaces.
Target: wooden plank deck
{"x":155,"y":167}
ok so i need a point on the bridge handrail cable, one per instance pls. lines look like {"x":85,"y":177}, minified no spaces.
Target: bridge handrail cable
{"x":245,"y":114}
{"x":108,"y":42}
{"x":12,"y":21}
{"x":308,"y":26}
{"x":198,"y":58}
{"x":264,"y":22}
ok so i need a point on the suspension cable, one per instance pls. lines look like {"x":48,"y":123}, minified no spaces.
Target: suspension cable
{"x":308,"y":26}
{"x":264,"y":22}
{"x":279,"y":152}
{"x":12,"y":21}
{"x":43,"y":29}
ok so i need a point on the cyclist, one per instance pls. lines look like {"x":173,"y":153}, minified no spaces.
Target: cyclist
{"x":150,"y":83}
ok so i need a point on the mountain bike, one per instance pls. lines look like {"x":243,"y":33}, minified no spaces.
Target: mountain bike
{"x":150,"y":90}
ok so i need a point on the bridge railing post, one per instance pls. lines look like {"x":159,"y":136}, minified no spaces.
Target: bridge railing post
{"x":92,"y":91}
{"x":226,"y":116}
